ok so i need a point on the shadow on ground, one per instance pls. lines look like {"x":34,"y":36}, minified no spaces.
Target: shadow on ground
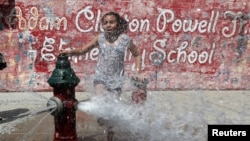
{"x":11,"y":115}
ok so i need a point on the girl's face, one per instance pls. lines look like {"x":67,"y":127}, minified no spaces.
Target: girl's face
{"x":110,"y":24}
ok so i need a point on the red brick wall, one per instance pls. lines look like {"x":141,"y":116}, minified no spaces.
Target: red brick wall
{"x":196,"y":44}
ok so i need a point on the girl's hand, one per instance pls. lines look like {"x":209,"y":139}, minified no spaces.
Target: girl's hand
{"x":139,"y":77}
{"x":139,"y":82}
{"x":63,"y":51}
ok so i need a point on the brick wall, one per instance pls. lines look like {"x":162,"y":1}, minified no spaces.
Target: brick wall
{"x":196,"y":44}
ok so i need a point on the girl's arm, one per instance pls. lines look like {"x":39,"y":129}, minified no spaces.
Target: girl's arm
{"x":138,"y":59}
{"x":84,"y":49}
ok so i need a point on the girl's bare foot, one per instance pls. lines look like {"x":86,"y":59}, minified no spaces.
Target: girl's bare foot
{"x":110,"y":135}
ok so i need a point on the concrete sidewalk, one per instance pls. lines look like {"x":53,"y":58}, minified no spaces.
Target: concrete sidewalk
{"x":177,"y":114}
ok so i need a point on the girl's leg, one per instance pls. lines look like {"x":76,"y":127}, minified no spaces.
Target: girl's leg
{"x":115,"y":93}
{"x":99,"y":89}
{"x":110,"y":135}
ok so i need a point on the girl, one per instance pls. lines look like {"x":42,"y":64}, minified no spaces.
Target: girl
{"x":112,"y":43}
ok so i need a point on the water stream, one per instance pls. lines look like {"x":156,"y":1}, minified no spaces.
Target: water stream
{"x":174,"y":117}
{"x":147,"y":122}
{"x":13,"y":120}
{"x":51,"y":110}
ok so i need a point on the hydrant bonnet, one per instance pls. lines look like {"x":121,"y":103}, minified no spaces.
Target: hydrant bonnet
{"x":63,"y":75}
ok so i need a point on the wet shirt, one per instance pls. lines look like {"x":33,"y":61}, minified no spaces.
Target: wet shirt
{"x":110,"y":65}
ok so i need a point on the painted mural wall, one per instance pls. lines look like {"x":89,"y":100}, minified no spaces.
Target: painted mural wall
{"x":191,"y":44}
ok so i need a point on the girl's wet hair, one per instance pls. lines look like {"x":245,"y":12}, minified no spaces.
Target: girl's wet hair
{"x":122,"y":24}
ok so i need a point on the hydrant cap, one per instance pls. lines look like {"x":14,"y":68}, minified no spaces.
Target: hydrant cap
{"x":62,"y":62}
{"x":63,"y":75}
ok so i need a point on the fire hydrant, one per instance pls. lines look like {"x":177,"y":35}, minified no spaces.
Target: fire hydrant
{"x":2,"y":62}
{"x":2,"y":66}
{"x":63,"y":80}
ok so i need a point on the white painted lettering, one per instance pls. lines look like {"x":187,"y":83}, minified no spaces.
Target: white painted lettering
{"x":48,"y":48}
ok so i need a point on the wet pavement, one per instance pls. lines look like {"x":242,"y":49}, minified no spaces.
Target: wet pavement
{"x":210,"y":107}
{"x":21,"y":123}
